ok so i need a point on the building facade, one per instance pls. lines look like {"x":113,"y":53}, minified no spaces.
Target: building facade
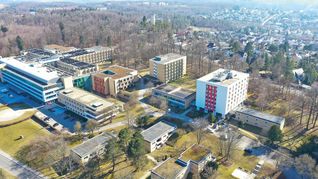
{"x":221,"y":91}
{"x":157,"y":135}
{"x":91,"y":148}
{"x":33,"y":79}
{"x":114,"y":79}
{"x":93,"y":55}
{"x":76,"y":68}
{"x":168,"y":67}
{"x":177,"y":97}
{"x":87,"y":105}
{"x":262,"y":120}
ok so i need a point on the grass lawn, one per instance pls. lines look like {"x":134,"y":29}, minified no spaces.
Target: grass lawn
{"x":117,"y":129}
{"x":185,"y":82}
{"x":120,"y":117}
{"x":124,"y":169}
{"x":144,"y":72}
{"x":25,"y":115}
{"x":6,"y":174}
{"x":184,"y":142}
{"x":238,"y":160}
{"x":211,"y":142}
{"x":29,"y":129}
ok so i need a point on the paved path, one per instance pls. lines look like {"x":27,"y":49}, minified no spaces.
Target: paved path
{"x":113,"y":125}
{"x":17,"y":169}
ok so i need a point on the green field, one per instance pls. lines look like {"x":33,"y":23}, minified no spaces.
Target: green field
{"x":28,"y":129}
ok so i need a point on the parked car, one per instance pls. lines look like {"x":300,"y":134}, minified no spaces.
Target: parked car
{"x":248,"y":151}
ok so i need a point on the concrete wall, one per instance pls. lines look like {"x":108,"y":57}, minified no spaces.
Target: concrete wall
{"x":258,"y":122}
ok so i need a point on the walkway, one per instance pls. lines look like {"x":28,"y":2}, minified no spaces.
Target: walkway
{"x":16,"y":168}
{"x":113,"y":125}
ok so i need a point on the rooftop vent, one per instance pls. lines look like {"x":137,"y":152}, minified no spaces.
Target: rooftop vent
{"x":97,"y":104}
{"x":225,"y":75}
{"x":108,"y":72}
{"x":68,"y":91}
{"x":157,"y":58}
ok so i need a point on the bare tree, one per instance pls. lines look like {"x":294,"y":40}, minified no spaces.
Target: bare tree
{"x":164,"y":105}
{"x":228,"y":143}
{"x":91,"y":126}
{"x":44,"y":151}
{"x":199,"y":125}
{"x":78,"y":128}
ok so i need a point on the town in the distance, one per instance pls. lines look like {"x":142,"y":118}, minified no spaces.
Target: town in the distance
{"x":158,"y":90}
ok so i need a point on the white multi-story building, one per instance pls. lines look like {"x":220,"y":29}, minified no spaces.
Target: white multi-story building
{"x":87,"y":104}
{"x":221,"y":91}
{"x":31,"y":78}
{"x":157,"y":135}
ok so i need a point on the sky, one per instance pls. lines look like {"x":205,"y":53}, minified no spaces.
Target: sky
{"x":304,"y":2}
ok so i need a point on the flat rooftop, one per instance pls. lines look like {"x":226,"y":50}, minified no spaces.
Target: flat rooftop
{"x":90,"y":146}
{"x":59,"y":48}
{"x":168,"y":169}
{"x":195,"y":153}
{"x":39,"y":52}
{"x":156,"y":131}
{"x":76,"y":53}
{"x":34,"y":71}
{"x":87,"y":98}
{"x":167,"y":58}
{"x":76,"y":63}
{"x":97,"y":49}
{"x":176,"y":92}
{"x":265,"y":116}
{"x":116,"y":72}
{"x":223,"y":77}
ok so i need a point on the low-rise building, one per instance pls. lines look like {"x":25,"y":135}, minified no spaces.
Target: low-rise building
{"x":193,"y":160}
{"x":221,"y":91}
{"x":262,"y":120}
{"x":168,"y":67}
{"x":93,"y":55}
{"x":157,"y":135}
{"x":178,"y":97}
{"x":58,"y":49}
{"x":76,"y":68}
{"x":32,"y":78}
{"x":169,"y":169}
{"x":196,"y":157}
{"x":88,"y":105}
{"x":94,"y":147}
{"x":113,"y":79}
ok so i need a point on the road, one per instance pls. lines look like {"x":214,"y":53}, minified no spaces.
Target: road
{"x":17,"y":169}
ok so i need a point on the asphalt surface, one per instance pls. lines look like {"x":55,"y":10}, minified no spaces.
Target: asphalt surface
{"x":17,"y":169}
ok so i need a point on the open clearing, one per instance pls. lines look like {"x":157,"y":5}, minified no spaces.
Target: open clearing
{"x":9,"y":135}
{"x":9,"y":114}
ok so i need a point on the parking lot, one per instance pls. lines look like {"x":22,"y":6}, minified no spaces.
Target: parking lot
{"x":58,"y":113}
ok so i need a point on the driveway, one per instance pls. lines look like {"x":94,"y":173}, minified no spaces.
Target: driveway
{"x":17,"y":169}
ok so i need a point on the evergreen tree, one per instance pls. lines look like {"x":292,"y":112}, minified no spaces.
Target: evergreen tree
{"x":109,"y":41}
{"x":112,"y":150}
{"x":61,"y":26}
{"x":136,"y":146}
{"x":268,"y":62}
{"x":275,"y":134}
{"x":4,"y":29}
{"x":20,"y":43}
{"x":288,"y":72}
